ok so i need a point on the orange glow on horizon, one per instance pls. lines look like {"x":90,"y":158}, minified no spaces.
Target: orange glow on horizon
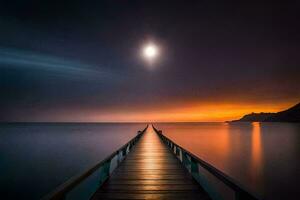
{"x":193,"y":112}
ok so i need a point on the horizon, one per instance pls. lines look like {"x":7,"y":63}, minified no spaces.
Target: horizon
{"x":162,"y":121}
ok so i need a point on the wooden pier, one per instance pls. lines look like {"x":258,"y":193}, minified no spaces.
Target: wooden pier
{"x":151,"y":166}
{"x":150,"y":171}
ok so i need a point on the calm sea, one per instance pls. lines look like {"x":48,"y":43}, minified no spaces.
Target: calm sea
{"x":35,"y":158}
{"x":264,"y":157}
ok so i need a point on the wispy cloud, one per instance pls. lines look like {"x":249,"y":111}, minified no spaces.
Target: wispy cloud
{"x":53,"y":65}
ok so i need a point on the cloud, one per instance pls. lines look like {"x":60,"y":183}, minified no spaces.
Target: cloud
{"x":12,"y":58}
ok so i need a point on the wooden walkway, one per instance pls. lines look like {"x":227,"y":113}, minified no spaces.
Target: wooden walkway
{"x":150,"y":171}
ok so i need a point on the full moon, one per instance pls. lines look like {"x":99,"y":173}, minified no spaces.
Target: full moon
{"x":150,"y":51}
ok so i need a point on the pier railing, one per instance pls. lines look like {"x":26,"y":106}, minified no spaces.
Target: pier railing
{"x":218,"y":185}
{"x":84,"y":185}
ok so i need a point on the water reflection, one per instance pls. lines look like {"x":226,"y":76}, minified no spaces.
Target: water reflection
{"x":256,"y":152}
{"x":264,"y":157}
{"x":213,"y":145}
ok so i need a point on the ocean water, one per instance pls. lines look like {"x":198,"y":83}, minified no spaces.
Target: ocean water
{"x":36,"y":158}
{"x":263,"y":157}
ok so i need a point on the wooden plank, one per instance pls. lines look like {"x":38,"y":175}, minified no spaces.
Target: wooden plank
{"x":150,"y":181}
{"x":150,"y":171}
{"x":153,"y":176}
{"x":156,"y":196}
{"x":150,"y":187}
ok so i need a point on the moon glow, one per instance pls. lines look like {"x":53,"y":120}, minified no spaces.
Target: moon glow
{"x":150,"y":52}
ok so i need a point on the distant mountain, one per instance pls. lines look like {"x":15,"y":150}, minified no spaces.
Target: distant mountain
{"x":290,"y":115}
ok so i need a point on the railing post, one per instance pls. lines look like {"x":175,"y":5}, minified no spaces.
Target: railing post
{"x":177,"y":151}
{"x":180,"y":155}
{"x":120,"y":156}
{"x":124,"y":151}
{"x":127,"y":148}
{"x":194,"y":166}
{"x":104,"y":173}
{"x":185,"y":160}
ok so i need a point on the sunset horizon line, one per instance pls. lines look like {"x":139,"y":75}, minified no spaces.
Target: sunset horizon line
{"x":187,"y":114}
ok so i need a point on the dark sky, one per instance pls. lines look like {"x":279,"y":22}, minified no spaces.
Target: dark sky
{"x":80,"y":60}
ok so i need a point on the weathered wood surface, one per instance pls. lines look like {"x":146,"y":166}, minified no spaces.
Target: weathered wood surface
{"x":150,"y":171}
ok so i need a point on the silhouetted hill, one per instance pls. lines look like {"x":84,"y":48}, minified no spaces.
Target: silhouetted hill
{"x":290,"y":115}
